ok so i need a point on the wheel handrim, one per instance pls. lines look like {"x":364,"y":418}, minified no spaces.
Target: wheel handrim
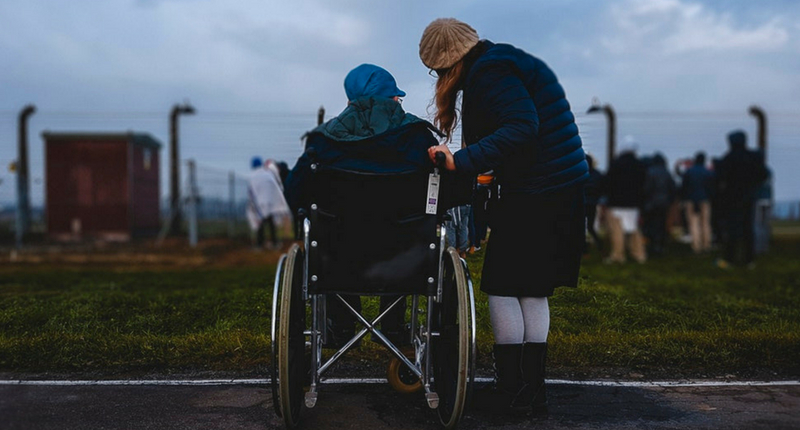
{"x":274,"y":335}
{"x":452,"y":389}
{"x":290,"y":390}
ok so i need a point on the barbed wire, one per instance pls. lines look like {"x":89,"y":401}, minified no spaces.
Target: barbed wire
{"x":241,"y":134}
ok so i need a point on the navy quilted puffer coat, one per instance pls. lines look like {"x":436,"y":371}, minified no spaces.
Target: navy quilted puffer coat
{"x":517,"y":122}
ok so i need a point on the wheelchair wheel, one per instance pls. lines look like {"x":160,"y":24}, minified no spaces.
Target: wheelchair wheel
{"x":451,"y":350}
{"x":273,"y":338}
{"x":400,"y":377}
{"x":293,"y":361}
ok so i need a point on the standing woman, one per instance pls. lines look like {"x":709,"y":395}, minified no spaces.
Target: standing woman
{"x":518,"y":123}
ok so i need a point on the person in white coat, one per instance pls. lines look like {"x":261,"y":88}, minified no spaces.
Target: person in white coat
{"x":267,"y":207}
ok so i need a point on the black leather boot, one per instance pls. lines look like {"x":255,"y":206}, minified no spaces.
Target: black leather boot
{"x":500,"y":397}
{"x":533,"y":394}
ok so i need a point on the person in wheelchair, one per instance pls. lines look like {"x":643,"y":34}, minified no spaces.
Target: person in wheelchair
{"x":373,"y":134}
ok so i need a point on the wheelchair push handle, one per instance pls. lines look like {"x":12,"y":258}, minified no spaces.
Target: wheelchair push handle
{"x":441,"y":160}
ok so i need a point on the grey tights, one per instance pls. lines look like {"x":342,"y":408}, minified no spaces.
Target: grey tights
{"x":519,"y":319}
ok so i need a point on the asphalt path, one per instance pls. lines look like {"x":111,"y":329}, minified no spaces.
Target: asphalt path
{"x":377,"y":406}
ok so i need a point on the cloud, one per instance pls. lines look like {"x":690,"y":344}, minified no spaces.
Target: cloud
{"x":676,"y":27}
{"x":250,"y":50}
{"x":678,"y":54}
{"x":290,"y":56}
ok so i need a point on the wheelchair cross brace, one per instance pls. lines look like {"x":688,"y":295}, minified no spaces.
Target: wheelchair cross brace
{"x":316,"y":346}
{"x":420,"y":348}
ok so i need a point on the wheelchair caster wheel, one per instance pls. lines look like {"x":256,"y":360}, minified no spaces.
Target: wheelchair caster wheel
{"x":400,"y":377}
{"x":311,"y":399}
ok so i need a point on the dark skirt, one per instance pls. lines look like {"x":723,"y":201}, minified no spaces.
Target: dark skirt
{"x":535,"y":244}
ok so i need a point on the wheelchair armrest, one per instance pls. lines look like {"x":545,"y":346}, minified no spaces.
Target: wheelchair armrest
{"x":410,"y":219}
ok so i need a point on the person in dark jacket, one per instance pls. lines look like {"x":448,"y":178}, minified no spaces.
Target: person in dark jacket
{"x":592,"y":192}
{"x":697,"y":184}
{"x":659,"y":193}
{"x":372,"y":134}
{"x":763,"y":216}
{"x":739,"y":175}
{"x":518,"y":123}
{"x":624,"y":191}
{"x":283,"y":170}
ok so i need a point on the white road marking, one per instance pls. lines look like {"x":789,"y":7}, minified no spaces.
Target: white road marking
{"x":681,"y":383}
{"x":214,"y":382}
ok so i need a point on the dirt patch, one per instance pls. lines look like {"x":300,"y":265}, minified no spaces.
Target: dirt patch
{"x":171,"y":253}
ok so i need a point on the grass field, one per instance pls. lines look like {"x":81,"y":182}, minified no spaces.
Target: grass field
{"x":678,"y":316}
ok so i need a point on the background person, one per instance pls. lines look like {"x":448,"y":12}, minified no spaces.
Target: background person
{"x":763,"y":216}
{"x":740,"y":174}
{"x":485,"y":190}
{"x":460,"y":227}
{"x":624,"y":191}
{"x":266,"y":208}
{"x":283,"y":170}
{"x":457,"y":229}
{"x":681,"y":166}
{"x":592,"y":193}
{"x":659,"y":193}
{"x":516,"y":122}
{"x":697,"y":184}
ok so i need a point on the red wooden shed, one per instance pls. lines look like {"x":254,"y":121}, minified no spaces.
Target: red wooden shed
{"x":102,"y":185}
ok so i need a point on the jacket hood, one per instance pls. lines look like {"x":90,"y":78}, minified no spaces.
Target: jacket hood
{"x":367,"y":117}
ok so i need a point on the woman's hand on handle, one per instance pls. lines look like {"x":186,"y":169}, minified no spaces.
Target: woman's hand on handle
{"x":449,"y":163}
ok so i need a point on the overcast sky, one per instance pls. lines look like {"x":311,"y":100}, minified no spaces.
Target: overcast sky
{"x":680,"y":73}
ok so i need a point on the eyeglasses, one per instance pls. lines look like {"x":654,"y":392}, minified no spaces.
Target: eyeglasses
{"x":438,"y":73}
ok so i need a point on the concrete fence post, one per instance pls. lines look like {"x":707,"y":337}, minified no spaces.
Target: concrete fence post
{"x":23,"y":218}
{"x":191,"y":207}
{"x":174,"y":165}
{"x":231,"y":204}
{"x":611,"y":127}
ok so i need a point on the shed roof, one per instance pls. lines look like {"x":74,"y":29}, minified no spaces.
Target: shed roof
{"x":143,"y":139}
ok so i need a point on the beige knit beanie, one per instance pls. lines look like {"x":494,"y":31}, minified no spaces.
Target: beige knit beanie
{"x":445,"y":41}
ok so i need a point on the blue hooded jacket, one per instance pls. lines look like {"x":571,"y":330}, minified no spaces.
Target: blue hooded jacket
{"x":372,"y":135}
{"x":517,"y":122}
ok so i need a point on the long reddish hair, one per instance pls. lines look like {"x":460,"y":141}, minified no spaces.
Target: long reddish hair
{"x":448,"y":87}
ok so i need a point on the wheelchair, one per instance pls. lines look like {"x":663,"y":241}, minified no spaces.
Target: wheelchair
{"x":368,"y":234}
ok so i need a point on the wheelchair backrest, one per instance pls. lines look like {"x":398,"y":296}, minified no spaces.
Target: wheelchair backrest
{"x":370,"y":233}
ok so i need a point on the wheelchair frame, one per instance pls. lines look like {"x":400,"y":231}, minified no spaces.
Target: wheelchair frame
{"x":449,"y":315}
